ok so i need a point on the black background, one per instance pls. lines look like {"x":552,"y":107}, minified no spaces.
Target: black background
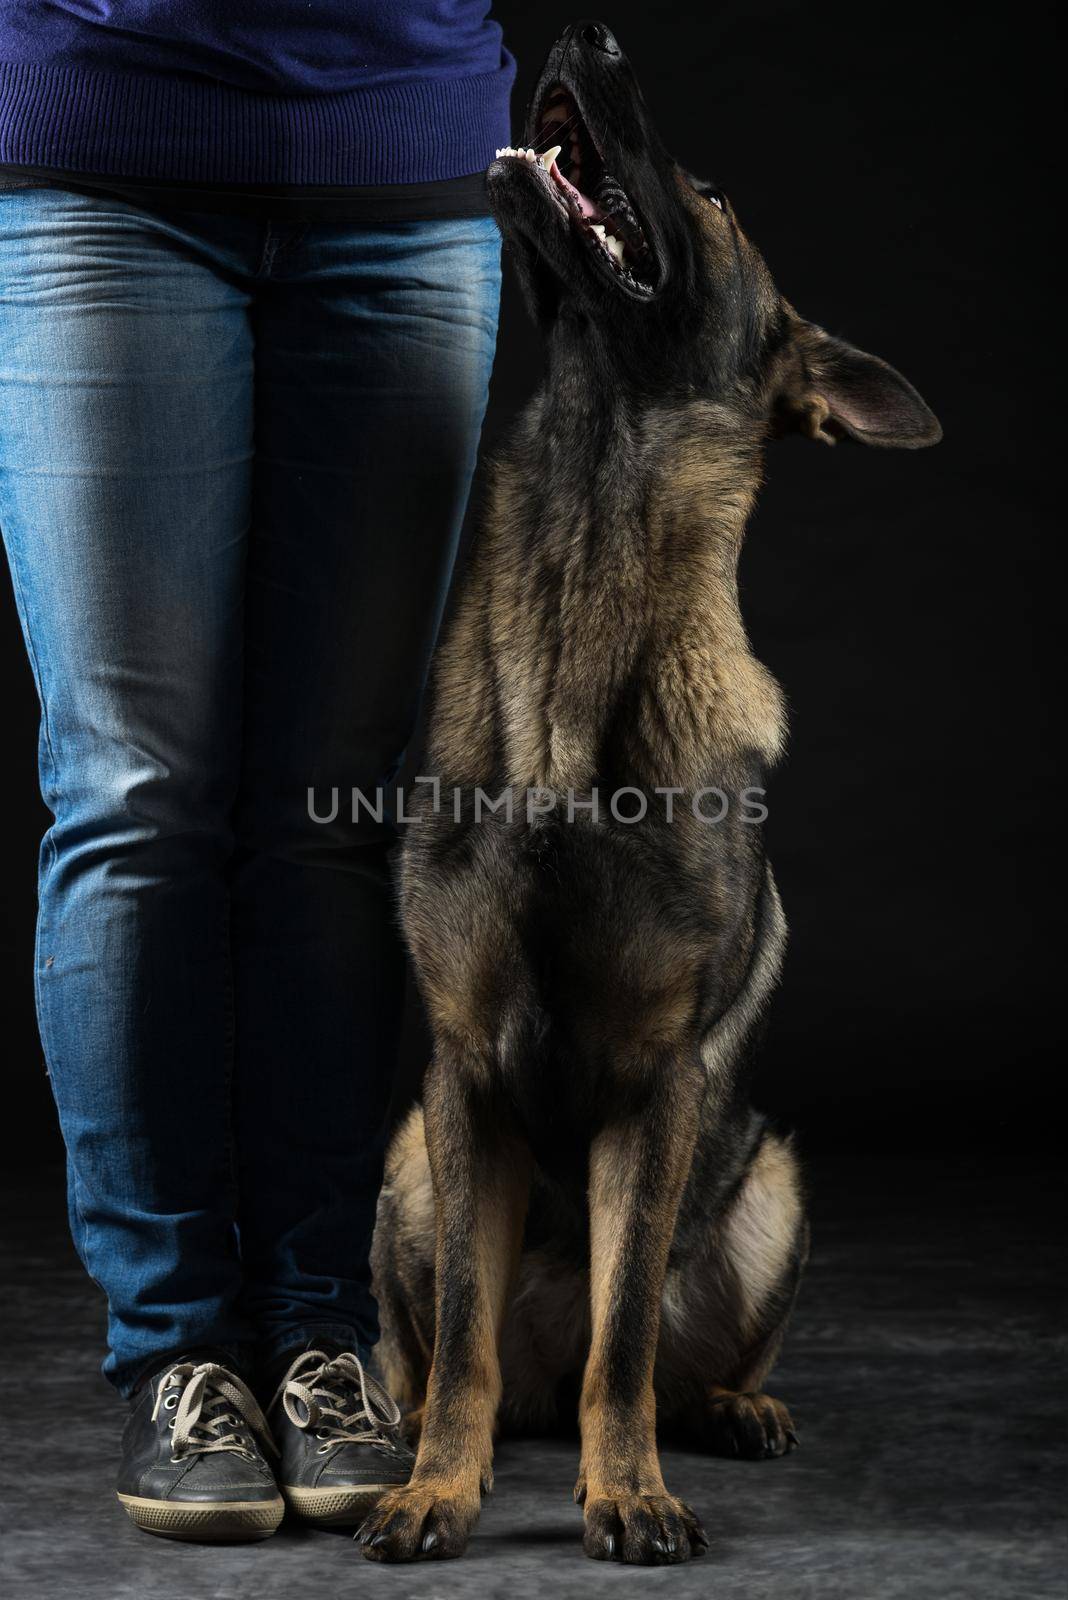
{"x":895,"y":166}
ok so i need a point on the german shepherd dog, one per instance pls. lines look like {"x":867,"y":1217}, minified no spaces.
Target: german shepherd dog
{"x":587,"y":1190}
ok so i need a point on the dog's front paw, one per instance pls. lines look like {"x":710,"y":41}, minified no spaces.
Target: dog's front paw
{"x":753,"y":1426}
{"x":651,"y":1530}
{"x":417,"y":1523}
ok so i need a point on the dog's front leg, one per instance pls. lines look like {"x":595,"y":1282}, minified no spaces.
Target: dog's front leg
{"x":638,"y":1167}
{"x":481,"y":1178}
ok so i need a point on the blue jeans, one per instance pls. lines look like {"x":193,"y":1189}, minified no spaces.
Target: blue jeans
{"x":234,"y":459}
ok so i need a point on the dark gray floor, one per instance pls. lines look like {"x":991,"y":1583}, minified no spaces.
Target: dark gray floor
{"x":923,"y":1370}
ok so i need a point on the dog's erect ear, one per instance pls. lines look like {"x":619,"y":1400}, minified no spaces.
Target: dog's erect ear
{"x":835,"y":391}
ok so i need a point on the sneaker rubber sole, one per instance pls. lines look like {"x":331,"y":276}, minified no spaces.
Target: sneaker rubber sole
{"x":335,"y":1507}
{"x":207,"y":1522}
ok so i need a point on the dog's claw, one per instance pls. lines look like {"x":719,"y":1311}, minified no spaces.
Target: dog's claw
{"x":429,"y":1541}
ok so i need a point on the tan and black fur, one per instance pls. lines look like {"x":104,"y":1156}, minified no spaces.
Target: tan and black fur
{"x":586,"y":1193}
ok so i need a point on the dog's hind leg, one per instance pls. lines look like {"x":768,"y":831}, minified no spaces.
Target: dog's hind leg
{"x":726,"y":1314}
{"x":402,"y":1260}
{"x":765,"y":1246}
{"x":481,"y":1180}
{"x":638,"y":1168}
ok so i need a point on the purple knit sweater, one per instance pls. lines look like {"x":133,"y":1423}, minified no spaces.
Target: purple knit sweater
{"x":253,"y":91}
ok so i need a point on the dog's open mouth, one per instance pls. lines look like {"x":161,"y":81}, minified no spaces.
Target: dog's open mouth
{"x":584,"y":189}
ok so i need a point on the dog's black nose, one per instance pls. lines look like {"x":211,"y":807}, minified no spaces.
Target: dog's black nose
{"x":599,"y":36}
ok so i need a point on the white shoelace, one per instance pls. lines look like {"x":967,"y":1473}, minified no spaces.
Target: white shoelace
{"x":318,"y":1391}
{"x":212,"y":1409}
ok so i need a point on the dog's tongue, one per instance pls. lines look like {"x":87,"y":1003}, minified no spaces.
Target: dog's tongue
{"x":587,"y":208}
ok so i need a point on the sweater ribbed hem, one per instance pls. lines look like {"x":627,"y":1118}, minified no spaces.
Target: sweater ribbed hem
{"x":143,"y":126}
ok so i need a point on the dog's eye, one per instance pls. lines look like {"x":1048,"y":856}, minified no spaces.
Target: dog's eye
{"x":707,"y":190}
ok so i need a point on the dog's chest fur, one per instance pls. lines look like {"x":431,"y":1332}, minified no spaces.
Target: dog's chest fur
{"x":597,"y":639}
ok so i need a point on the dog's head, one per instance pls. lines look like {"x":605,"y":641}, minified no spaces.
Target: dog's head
{"x":646,"y":268}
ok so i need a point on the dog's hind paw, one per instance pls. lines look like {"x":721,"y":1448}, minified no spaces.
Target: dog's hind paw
{"x":651,"y":1530}
{"x":755,"y":1427}
{"x":417,"y":1523}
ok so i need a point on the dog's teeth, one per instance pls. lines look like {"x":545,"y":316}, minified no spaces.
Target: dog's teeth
{"x":598,"y":229}
{"x":506,"y":150}
{"x":549,"y":156}
{"x":614,"y":245}
{"x":530,"y":155}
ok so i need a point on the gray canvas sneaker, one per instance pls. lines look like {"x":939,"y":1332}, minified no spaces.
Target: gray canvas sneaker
{"x":338,"y":1437}
{"x":194,"y":1457}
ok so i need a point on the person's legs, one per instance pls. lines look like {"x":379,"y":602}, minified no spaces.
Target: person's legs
{"x":125,"y":467}
{"x":373,"y":355}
